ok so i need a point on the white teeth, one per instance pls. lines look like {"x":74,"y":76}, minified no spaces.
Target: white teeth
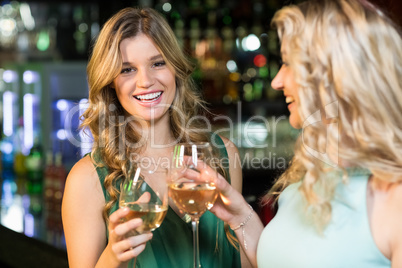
{"x":148,"y":96}
{"x":289,"y":99}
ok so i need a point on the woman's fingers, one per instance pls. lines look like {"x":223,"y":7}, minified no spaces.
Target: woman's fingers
{"x":119,"y":226}
{"x":144,"y":198}
{"x":124,"y":241}
{"x":132,"y":242}
{"x":117,"y":217}
{"x":132,"y":253}
{"x":191,"y":174}
{"x":201,"y":173}
{"x":222,"y":184}
{"x":124,"y":228}
{"x":131,"y":246}
{"x":230,"y":199}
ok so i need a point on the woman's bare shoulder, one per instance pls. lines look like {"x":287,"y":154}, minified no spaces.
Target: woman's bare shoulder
{"x":84,"y":174}
{"x":84,"y":163}
{"x":230,"y":146}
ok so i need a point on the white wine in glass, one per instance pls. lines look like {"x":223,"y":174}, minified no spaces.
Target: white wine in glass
{"x":152,"y":215}
{"x":192,"y":184}
{"x":145,"y":193}
{"x":193,"y":198}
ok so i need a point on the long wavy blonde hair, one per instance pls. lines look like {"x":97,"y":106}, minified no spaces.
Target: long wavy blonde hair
{"x":347,"y":59}
{"x":103,"y":116}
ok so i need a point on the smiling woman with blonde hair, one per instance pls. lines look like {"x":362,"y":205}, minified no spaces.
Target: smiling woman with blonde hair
{"x":142,"y":101}
{"x":339,"y":202}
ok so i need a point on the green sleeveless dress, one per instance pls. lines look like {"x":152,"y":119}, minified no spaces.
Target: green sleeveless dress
{"x":172,"y":243}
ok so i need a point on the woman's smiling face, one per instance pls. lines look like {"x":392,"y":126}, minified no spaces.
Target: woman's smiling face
{"x":146,"y":85}
{"x":285,"y":81}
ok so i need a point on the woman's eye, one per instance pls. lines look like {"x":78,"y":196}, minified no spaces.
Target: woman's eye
{"x":126,"y":70}
{"x":159,"y":64}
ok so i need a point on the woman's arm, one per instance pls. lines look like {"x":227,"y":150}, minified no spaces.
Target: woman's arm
{"x":85,"y":229}
{"x":236,"y":215}
{"x":233,"y":209}
{"x":83,"y":224}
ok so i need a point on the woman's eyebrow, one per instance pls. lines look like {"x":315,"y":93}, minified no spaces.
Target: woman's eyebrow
{"x":156,"y":57}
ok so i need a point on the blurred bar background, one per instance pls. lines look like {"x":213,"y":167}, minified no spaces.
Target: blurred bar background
{"x":44,"y":49}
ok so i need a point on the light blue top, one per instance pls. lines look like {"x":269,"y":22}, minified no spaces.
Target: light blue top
{"x":291,"y":241}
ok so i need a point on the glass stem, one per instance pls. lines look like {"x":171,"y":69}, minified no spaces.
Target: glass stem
{"x":196,"y":250}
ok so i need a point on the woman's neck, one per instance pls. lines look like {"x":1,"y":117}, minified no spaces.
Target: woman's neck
{"x":157,"y":137}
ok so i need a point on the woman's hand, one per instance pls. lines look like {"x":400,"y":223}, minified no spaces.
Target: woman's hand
{"x":124,"y":243}
{"x":233,"y":209}
{"x":230,"y":207}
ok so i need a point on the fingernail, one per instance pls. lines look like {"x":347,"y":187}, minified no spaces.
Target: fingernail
{"x":125,"y":209}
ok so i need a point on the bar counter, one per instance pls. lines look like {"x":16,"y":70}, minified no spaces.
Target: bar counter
{"x":18,"y":250}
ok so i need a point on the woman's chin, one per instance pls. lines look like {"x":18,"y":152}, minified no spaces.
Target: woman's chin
{"x":295,"y":121}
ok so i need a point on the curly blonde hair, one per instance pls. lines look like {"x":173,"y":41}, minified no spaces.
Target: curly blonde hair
{"x":347,"y":59}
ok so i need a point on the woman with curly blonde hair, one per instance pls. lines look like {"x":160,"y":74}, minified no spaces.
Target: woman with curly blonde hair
{"x":339,"y":202}
{"x":142,"y":101}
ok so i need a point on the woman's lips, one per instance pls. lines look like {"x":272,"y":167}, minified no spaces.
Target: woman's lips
{"x":149,"y":97}
{"x":290,"y":101}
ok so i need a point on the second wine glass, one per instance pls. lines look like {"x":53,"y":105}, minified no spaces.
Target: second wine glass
{"x":192,"y":184}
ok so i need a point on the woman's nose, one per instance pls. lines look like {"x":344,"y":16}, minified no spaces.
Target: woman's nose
{"x":277,"y":82}
{"x":145,"y":78}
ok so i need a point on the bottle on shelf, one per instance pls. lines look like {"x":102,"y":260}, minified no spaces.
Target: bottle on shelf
{"x":48,"y":190}
{"x":34,"y":166}
{"x":60,"y":175}
{"x":20,"y":169}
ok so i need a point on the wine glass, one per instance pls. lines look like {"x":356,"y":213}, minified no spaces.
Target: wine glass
{"x":144,"y":191}
{"x":192,"y":184}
